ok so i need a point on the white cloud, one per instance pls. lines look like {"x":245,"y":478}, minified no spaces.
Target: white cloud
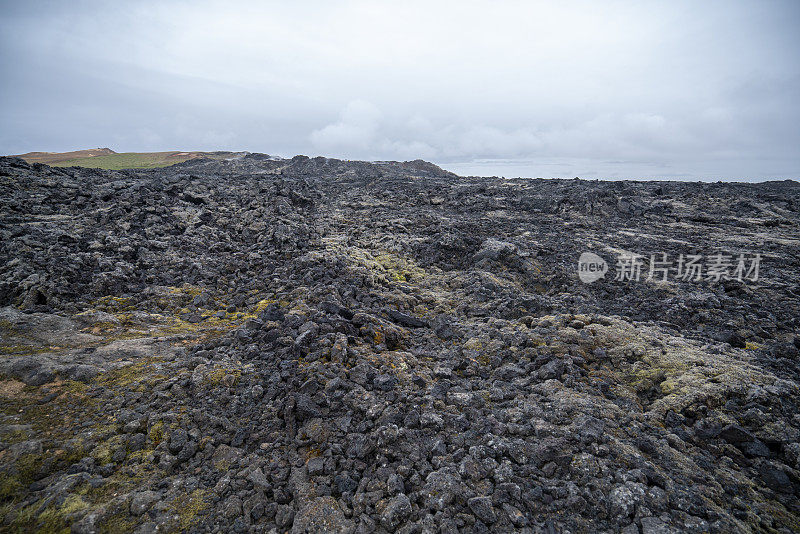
{"x":363,"y":130}
{"x":675,"y":82}
{"x":355,"y":130}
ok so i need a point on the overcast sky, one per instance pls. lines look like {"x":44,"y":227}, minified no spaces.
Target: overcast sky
{"x":692,"y":90}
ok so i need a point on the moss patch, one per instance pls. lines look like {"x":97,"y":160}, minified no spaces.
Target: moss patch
{"x":189,"y":507}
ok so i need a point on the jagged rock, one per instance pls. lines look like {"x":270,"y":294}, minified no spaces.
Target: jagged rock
{"x":494,"y":249}
{"x":736,"y":434}
{"x":142,"y":501}
{"x":483,"y":510}
{"x":405,"y":319}
{"x":397,"y":510}
{"x":308,"y":344}
{"x":321,"y":515}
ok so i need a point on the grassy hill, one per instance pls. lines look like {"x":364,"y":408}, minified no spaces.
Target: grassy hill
{"x":51,"y":158}
{"x":105,"y":158}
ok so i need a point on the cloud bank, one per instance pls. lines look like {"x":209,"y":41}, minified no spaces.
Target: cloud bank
{"x":620,"y":89}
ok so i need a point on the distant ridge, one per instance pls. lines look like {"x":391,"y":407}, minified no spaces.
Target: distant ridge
{"x":57,"y":157}
{"x":105,"y":158}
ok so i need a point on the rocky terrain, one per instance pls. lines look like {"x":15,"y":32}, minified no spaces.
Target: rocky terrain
{"x":314,"y":345}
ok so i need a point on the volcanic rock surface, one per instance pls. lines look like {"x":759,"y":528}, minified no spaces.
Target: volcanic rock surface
{"x":316,"y":345}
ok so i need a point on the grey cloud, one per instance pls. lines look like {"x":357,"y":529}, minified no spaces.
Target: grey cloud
{"x":675,"y":90}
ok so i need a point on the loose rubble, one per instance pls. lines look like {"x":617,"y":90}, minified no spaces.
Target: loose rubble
{"x":314,"y":345}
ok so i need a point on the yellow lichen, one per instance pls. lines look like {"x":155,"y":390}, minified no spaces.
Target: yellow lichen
{"x":188,"y":507}
{"x":156,"y":433}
